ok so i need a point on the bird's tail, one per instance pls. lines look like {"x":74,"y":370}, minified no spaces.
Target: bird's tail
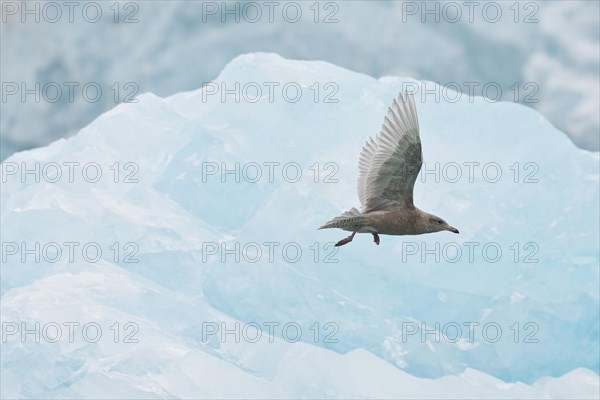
{"x":349,"y":220}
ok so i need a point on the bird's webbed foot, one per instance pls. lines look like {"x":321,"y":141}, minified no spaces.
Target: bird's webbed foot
{"x":376,"y":239}
{"x":345,"y":240}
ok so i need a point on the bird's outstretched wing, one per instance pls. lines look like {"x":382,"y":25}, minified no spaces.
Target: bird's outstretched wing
{"x":389,"y":164}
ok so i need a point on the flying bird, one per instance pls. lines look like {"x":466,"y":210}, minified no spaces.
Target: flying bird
{"x":388,"y":167}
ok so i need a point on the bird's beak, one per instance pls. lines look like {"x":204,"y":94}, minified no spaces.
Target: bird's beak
{"x":452,"y":229}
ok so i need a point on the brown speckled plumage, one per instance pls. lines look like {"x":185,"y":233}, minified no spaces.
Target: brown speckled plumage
{"x":388,"y":166}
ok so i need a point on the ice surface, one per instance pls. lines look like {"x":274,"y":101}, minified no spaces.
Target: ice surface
{"x":370,"y":297}
{"x":174,"y":46}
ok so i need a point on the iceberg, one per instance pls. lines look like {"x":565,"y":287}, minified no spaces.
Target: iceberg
{"x":554,"y":71}
{"x":169,"y":249}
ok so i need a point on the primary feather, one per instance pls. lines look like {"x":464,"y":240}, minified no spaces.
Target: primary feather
{"x":389,"y":164}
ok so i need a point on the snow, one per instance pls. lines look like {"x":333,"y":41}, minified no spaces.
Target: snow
{"x":399,"y":320}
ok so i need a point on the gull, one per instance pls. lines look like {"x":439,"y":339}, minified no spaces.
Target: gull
{"x":388,"y":167}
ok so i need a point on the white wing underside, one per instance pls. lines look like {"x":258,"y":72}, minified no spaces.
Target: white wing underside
{"x":389,"y":164}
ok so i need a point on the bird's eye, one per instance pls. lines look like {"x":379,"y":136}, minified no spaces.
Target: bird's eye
{"x":439,"y":221}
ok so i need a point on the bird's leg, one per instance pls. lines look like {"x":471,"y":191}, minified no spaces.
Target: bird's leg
{"x":376,"y":239}
{"x":346,"y":240}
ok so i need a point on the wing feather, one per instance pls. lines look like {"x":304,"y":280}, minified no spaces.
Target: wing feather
{"x":389,"y":164}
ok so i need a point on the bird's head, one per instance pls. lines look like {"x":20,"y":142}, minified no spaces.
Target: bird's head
{"x":436,"y":224}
